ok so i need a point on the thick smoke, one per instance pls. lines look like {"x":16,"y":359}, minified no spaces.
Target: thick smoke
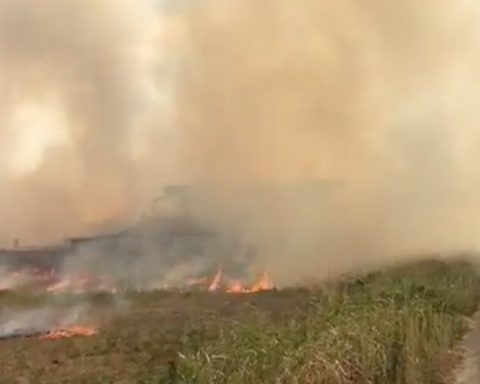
{"x":324,"y":135}
{"x":375,"y":95}
{"x":77,"y":68}
{"x":14,"y":321}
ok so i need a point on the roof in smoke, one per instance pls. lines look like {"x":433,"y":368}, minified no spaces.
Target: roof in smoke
{"x":185,"y":191}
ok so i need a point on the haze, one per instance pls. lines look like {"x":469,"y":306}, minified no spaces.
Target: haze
{"x":105,"y":102}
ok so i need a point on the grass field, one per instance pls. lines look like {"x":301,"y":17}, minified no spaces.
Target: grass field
{"x":395,"y":326}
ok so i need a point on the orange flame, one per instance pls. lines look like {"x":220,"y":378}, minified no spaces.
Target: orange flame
{"x":265,"y":283}
{"x":236,"y":287}
{"x":75,"y":330}
{"x":218,"y":282}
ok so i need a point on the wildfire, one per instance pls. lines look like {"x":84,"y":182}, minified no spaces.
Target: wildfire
{"x":85,"y":282}
{"x":265,"y":283}
{"x":220,"y":283}
{"x":81,"y":284}
{"x":236,"y":287}
{"x":75,"y":330}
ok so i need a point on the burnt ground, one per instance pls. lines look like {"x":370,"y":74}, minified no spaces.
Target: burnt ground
{"x":139,"y":334}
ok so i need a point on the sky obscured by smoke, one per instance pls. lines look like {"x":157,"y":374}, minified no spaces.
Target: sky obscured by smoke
{"x":104,"y":102}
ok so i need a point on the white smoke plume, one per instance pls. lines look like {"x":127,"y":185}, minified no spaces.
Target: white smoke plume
{"x":249,"y":100}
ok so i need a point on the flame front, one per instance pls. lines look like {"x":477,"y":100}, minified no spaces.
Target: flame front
{"x":265,"y":283}
{"x":81,"y":283}
{"x":65,"y":332}
{"x":220,"y":283}
{"x":236,"y":287}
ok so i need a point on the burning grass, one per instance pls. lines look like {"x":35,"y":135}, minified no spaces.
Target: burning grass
{"x":56,"y":282}
{"x":395,"y":326}
{"x":70,"y":331}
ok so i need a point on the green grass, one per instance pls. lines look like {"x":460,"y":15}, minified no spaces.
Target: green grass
{"x":390,"y":327}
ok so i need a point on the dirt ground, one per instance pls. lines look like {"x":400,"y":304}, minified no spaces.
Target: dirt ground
{"x":469,"y":370}
{"x":139,"y":335}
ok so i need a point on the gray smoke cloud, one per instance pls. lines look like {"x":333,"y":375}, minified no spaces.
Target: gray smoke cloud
{"x":325,"y":135}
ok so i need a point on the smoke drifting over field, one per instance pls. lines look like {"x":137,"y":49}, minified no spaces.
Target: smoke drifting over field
{"x":72,"y":79}
{"x":133,"y":95}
